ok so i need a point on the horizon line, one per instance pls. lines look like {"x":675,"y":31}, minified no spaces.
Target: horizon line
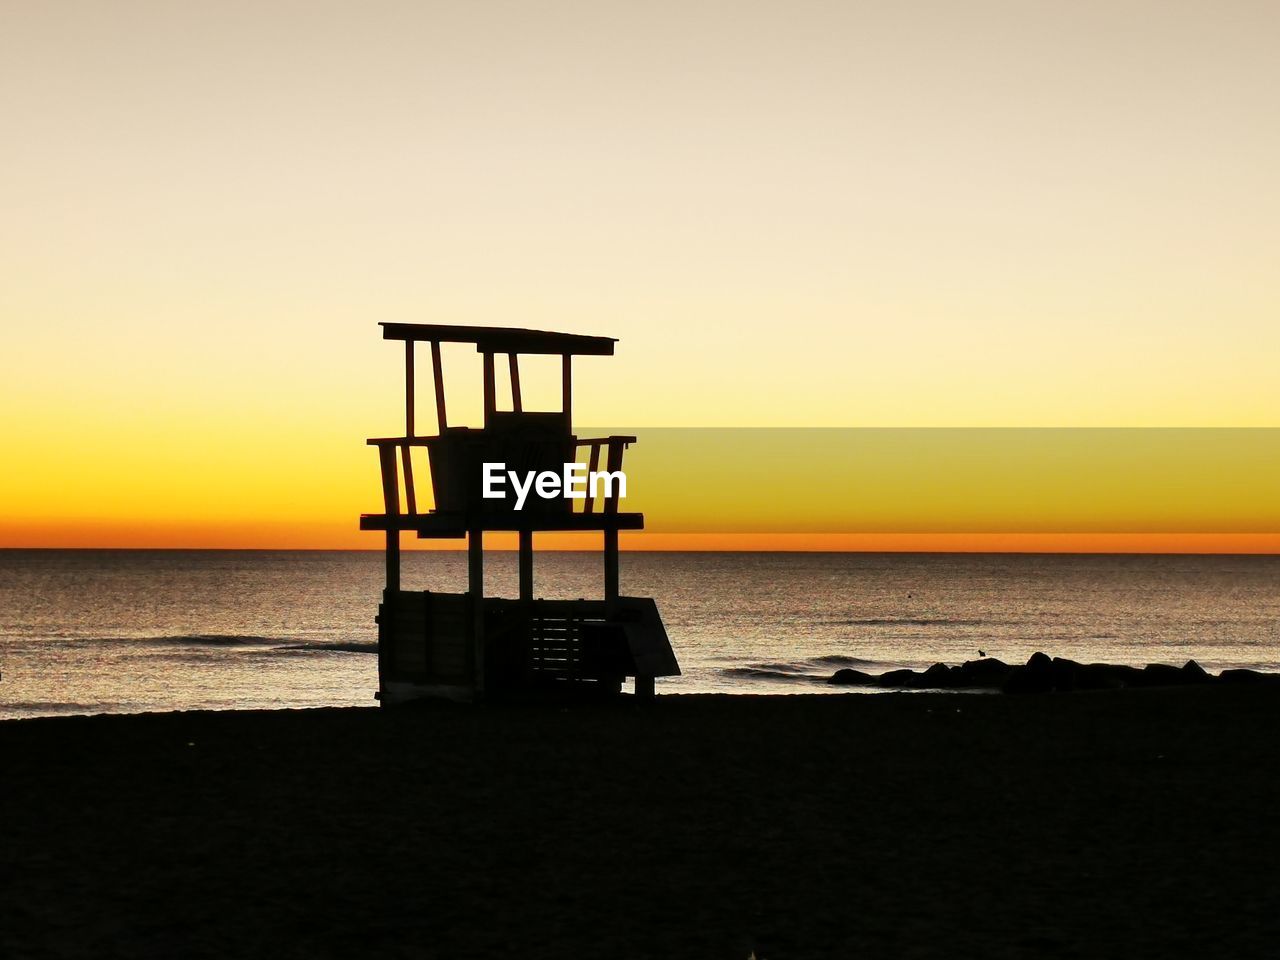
{"x":1041,"y":543}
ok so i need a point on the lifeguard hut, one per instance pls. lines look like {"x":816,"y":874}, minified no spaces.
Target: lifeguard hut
{"x":467,"y":645}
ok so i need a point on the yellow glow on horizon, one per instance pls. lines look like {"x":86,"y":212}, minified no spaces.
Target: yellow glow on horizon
{"x":258,"y":536}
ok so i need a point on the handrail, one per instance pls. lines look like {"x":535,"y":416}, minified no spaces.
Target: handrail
{"x":613,"y":447}
{"x":601,"y":441}
{"x":424,"y":441}
{"x":398,"y":441}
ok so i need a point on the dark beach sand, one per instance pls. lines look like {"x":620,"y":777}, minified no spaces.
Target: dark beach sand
{"x":1138,"y":823}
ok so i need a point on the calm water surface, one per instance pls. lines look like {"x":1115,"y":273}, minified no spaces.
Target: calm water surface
{"x":96,"y":631}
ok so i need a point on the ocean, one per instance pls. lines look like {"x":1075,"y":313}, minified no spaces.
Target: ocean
{"x":123,"y":631}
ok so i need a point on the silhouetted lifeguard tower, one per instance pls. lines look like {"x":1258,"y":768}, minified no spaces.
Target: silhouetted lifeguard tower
{"x":466,"y":645}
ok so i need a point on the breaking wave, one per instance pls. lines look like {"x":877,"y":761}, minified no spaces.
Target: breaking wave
{"x":335,"y":646}
{"x":907,"y":622}
{"x":60,"y":706}
{"x":769,"y":673}
{"x":244,"y":641}
{"x":839,"y":660}
{"x":809,"y":670}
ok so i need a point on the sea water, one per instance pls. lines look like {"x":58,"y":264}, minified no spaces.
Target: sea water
{"x":90,"y":631}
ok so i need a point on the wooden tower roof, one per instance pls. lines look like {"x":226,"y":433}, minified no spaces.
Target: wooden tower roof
{"x":502,"y":339}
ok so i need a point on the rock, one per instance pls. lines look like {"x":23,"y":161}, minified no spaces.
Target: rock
{"x":1107,"y":676}
{"x":1241,"y":676}
{"x":1065,"y":674}
{"x":1192,"y":672}
{"x":898,"y":678}
{"x":939,"y":675}
{"x":1039,"y":661}
{"x":987,"y":672}
{"x":1161,"y":675}
{"x":850,"y":677}
{"x":1035,"y":677}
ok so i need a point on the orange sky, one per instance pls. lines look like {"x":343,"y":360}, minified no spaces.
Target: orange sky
{"x":806,"y":214}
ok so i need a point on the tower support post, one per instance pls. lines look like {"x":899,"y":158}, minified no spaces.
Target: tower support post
{"x":610,"y":568}
{"x":393,"y":561}
{"x":475,"y":587}
{"x":526,"y":564}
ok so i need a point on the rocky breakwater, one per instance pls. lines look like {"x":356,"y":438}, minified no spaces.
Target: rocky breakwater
{"x":1045,"y":674}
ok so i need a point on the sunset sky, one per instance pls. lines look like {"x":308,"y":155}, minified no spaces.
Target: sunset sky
{"x":919,"y":214}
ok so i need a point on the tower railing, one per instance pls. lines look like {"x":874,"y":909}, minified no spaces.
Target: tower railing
{"x":396,"y":452}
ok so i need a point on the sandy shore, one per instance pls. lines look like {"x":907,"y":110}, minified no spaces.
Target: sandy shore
{"x":1141,"y":823}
